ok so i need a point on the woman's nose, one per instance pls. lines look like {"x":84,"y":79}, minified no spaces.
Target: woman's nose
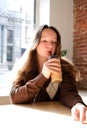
{"x":50,"y":44}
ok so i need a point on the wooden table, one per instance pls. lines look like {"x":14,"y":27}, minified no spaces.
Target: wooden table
{"x":39,"y":116}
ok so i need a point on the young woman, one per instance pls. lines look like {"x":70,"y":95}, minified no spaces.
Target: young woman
{"x":34,"y":77}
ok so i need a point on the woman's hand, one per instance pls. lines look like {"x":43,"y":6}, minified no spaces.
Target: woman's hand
{"x":51,"y":66}
{"x":79,"y":113}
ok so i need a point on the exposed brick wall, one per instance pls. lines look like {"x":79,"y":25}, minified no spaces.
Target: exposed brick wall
{"x":80,"y":39}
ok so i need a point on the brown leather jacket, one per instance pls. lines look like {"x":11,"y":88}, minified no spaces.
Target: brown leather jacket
{"x":35,"y":90}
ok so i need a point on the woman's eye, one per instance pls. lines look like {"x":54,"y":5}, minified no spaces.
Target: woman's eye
{"x":44,"y":41}
{"x":54,"y":42}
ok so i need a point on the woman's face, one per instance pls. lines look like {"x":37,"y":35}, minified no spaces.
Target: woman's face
{"x":47,"y":44}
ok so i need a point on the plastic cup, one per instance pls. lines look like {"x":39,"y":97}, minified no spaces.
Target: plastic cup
{"x":56,"y":77}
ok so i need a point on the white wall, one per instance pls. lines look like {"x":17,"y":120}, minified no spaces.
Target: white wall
{"x":61,"y":16}
{"x":58,"y":13}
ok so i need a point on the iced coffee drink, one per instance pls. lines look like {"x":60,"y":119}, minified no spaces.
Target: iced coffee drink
{"x":56,"y":77}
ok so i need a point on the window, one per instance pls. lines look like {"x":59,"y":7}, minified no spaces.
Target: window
{"x":9,"y":36}
{"x":9,"y":53}
{"x":9,"y":45}
{"x":17,"y":19}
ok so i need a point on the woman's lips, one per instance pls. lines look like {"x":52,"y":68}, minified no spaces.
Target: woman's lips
{"x":50,"y":53}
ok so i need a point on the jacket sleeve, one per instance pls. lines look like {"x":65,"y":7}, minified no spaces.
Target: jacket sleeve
{"x":69,"y":95}
{"x":27,"y":92}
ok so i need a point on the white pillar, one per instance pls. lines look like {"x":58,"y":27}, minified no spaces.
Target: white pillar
{"x":4,"y":42}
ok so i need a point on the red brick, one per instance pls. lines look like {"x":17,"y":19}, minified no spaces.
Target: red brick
{"x":80,"y":39}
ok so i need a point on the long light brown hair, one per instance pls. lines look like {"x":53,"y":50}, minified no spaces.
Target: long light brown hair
{"x":30,"y":67}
